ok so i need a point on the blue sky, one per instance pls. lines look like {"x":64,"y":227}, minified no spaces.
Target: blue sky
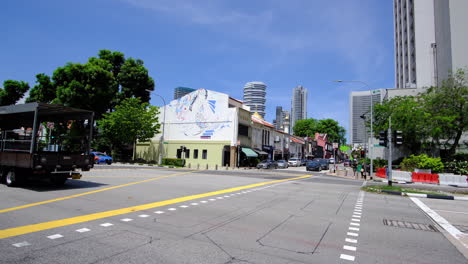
{"x":214,"y":44}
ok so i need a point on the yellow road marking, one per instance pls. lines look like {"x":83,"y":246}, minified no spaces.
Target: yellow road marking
{"x":21,"y":230}
{"x":91,"y":192}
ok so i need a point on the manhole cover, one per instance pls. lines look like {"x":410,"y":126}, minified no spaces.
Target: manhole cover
{"x":409,"y":225}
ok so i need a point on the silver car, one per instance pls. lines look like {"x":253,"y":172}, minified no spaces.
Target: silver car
{"x":282,"y":164}
{"x":294,"y":162}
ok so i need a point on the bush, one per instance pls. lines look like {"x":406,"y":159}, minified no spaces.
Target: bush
{"x":457,"y":167}
{"x":422,"y":162}
{"x":174,"y":162}
{"x":380,"y":163}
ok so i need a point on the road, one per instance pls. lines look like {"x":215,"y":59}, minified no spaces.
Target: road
{"x":154,"y":215}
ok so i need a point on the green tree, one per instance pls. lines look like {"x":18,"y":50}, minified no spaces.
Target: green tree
{"x":132,"y":120}
{"x":12,"y":91}
{"x":408,"y":115}
{"x":44,"y":91}
{"x":87,"y":86}
{"x":308,"y":128}
{"x":134,"y":80}
{"x":448,"y":106}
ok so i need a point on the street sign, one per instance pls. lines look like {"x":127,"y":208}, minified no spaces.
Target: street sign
{"x":379,"y":146}
{"x":375,"y":91}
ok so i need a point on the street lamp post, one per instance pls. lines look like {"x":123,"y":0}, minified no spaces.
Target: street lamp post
{"x":161,"y":141}
{"x":371,"y":147}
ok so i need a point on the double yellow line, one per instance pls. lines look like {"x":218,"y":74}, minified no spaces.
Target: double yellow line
{"x":16,"y":231}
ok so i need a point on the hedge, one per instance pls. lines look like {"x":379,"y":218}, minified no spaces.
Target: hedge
{"x":174,"y":162}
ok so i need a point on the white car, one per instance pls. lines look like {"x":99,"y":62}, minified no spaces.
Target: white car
{"x":294,"y":162}
{"x":331,"y":161}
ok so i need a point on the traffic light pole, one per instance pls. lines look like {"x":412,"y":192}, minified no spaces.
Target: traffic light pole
{"x":389,"y":166}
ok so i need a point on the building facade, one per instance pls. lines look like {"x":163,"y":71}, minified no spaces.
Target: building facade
{"x":430,"y":41}
{"x":181,"y":91}
{"x":298,"y":105}
{"x":360,"y":106}
{"x":255,"y":97}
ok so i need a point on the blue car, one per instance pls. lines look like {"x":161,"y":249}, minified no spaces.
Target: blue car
{"x":102,"y":158}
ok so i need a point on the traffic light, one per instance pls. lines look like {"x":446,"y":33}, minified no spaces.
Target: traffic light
{"x":383,"y":138}
{"x":398,"y":137}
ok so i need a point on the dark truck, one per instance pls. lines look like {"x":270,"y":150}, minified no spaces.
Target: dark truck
{"x":44,"y":141}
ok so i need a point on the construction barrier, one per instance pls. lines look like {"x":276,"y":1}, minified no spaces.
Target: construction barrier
{"x":448,"y":179}
{"x":381,"y":173}
{"x":425,"y":177}
{"x":401,"y":176}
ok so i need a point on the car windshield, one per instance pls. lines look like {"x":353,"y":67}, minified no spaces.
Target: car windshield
{"x":100,"y":154}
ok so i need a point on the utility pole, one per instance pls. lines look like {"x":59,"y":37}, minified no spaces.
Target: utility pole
{"x":389,"y":167}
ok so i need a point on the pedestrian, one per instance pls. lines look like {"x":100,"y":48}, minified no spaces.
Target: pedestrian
{"x":359,"y":169}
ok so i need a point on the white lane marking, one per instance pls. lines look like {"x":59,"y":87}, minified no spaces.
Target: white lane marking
{"x":194,"y":203}
{"x":358,"y":210}
{"x":353,"y":228}
{"x":183,"y":206}
{"x":349,"y":248}
{"x":212,"y":199}
{"x":219,"y":198}
{"x":55,"y":236}
{"x":357,"y":213}
{"x":239,"y":193}
{"x":352,"y":234}
{"x":126,"y":219}
{"x":355,"y":220}
{"x":347,"y":257}
{"x":457,"y":234}
{"x":455,"y":212}
{"x":226,"y":196}
{"x":106,"y":224}
{"x":355,"y":224}
{"x":203,"y":202}
{"x":22,"y":244}
{"x":350,"y":240}
{"x":357,"y":216}
{"x":416,"y":195}
{"x":82,"y":230}
{"x":143,"y":215}
{"x":172,"y":209}
{"x":159,"y":212}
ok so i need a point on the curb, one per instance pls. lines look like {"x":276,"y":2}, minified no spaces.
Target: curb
{"x":432,"y":196}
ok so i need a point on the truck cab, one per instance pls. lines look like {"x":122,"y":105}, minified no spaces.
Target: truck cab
{"x":44,"y":141}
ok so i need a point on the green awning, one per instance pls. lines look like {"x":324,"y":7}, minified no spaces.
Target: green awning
{"x":249,"y":153}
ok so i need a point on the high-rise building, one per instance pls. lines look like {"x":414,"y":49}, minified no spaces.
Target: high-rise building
{"x":181,"y":91}
{"x":282,"y":120}
{"x":430,"y":41}
{"x":360,"y":104}
{"x":254,"y":97}
{"x":298,"y":105}
{"x":278,"y":122}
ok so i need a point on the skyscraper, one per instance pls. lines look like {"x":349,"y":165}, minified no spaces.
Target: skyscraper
{"x":430,"y":41}
{"x":254,"y":97}
{"x":298,"y":105}
{"x":181,"y":91}
{"x":278,"y":122}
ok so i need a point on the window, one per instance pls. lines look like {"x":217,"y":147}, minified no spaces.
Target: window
{"x":195,"y":153}
{"x":179,"y":153}
{"x":187,"y":153}
{"x":243,"y":130}
{"x":205,"y":154}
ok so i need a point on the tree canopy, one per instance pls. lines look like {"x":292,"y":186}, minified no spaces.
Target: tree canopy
{"x":436,"y":118}
{"x":308,"y":128}
{"x":98,"y":85}
{"x":12,"y":91}
{"x":132,"y":120}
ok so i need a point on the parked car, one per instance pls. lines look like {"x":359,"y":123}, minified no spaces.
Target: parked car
{"x":294,"y":162}
{"x":331,"y":160}
{"x":102,"y":158}
{"x":324,"y":164}
{"x":303,"y":162}
{"x":282,"y":164}
{"x":267,"y":164}
{"x":313,"y":165}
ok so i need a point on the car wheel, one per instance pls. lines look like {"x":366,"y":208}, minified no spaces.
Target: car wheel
{"x":109,"y":162}
{"x":11,"y":179}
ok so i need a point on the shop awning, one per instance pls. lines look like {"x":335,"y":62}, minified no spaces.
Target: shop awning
{"x":260,"y":152}
{"x":249,"y":153}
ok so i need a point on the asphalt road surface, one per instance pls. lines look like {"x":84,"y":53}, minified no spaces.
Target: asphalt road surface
{"x":154,"y":215}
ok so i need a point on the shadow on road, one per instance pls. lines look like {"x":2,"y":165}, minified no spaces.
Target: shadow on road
{"x":45,"y":186}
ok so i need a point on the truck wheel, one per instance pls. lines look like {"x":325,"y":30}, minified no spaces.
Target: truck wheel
{"x":11,"y":178}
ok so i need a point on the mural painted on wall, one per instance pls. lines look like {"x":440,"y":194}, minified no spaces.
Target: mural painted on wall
{"x":202,"y":114}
